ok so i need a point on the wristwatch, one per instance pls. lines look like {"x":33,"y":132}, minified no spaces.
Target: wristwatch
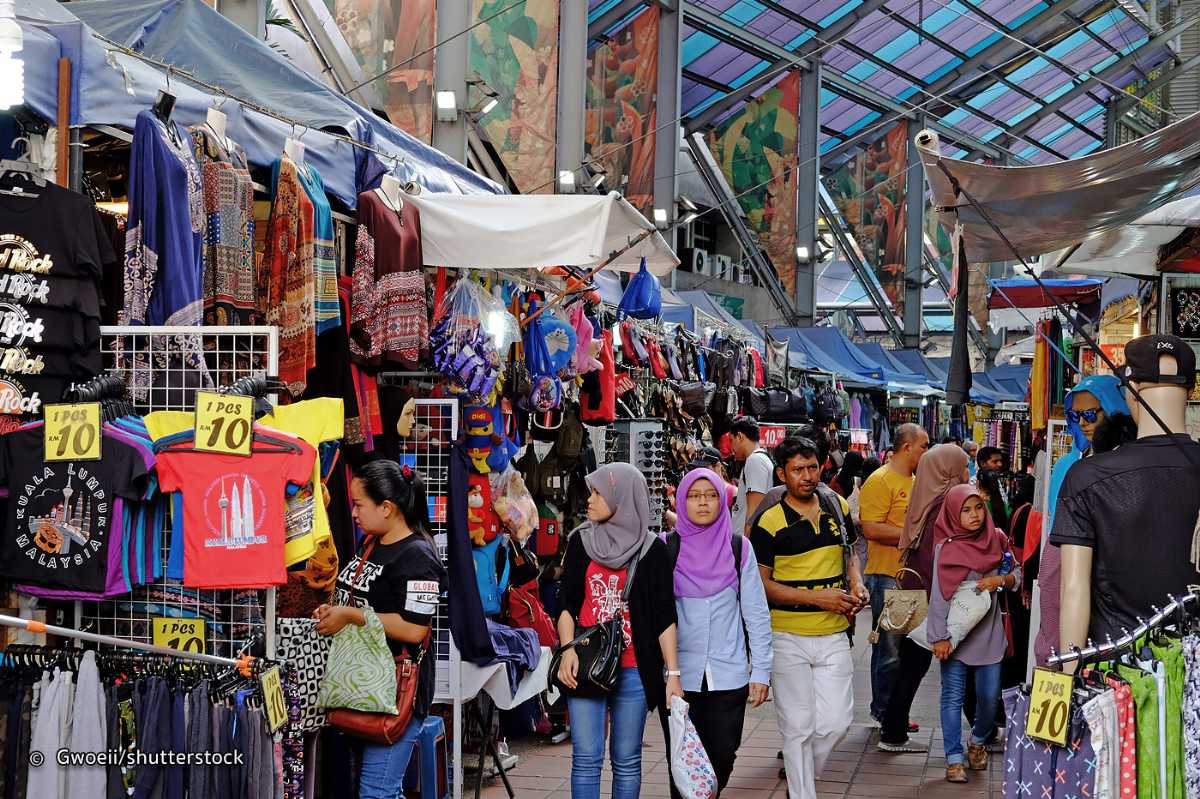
{"x":671,"y":673}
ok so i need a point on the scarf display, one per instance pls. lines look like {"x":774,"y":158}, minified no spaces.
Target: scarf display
{"x":615,"y":542}
{"x":939,"y":469}
{"x":705,"y":566}
{"x":979,"y":551}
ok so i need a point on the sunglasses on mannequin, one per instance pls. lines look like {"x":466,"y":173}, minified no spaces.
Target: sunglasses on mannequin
{"x":1090,"y":416}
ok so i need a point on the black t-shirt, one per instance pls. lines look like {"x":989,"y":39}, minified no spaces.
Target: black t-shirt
{"x":406,"y":578}
{"x":1135,"y":507}
{"x":61,"y":517}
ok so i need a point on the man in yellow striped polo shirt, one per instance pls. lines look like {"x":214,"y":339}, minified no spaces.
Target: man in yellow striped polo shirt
{"x":814,"y":587}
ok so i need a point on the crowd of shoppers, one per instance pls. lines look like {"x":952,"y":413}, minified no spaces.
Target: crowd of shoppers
{"x":755,"y":591}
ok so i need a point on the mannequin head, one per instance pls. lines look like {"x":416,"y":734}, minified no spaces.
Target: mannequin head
{"x":1163,"y":370}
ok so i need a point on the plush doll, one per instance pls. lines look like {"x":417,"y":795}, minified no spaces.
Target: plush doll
{"x":481,"y":437}
{"x":482,"y":523}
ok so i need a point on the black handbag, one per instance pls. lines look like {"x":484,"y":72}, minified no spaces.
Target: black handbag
{"x":696,"y":397}
{"x":599,"y":649}
{"x":754,"y":402}
{"x":779,"y":405}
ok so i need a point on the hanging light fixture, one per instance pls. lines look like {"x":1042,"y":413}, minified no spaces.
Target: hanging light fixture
{"x":12,"y":69}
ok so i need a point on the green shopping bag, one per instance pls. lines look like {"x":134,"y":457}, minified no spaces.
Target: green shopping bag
{"x":361,"y":672}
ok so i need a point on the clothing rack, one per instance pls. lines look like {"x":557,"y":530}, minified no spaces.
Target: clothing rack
{"x":1110,"y":646}
{"x":245,"y":664}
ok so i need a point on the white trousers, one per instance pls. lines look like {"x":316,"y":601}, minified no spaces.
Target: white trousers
{"x":812,"y":678}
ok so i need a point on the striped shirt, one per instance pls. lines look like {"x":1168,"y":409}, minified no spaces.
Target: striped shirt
{"x":802,"y":556}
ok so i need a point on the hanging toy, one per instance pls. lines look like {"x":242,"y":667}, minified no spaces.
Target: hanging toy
{"x":480,"y":430}
{"x":482,"y":523}
{"x":463,"y":349}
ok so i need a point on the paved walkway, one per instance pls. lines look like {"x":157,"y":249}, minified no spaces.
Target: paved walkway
{"x":855,"y":771}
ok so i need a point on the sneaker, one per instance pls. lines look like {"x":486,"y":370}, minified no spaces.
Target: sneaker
{"x":956,"y":773}
{"x":913,"y":728}
{"x":977,"y":757}
{"x":907,"y":746}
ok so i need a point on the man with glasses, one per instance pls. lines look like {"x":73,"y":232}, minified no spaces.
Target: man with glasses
{"x":805,"y":553}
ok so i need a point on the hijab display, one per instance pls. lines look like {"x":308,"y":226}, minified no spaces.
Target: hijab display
{"x":964,"y":551}
{"x":625,"y":535}
{"x":705,"y":566}
{"x":939,"y":469}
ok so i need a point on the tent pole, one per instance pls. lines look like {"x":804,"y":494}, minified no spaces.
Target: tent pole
{"x":62,"y":164}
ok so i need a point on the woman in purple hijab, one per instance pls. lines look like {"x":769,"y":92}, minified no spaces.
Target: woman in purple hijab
{"x":724,"y":623}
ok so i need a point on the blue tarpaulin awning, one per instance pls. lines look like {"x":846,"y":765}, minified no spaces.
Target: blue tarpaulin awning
{"x":697,"y":300}
{"x":899,"y":376}
{"x":917,"y":362}
{"x":834,"y":342}
{"x":820,"y":360}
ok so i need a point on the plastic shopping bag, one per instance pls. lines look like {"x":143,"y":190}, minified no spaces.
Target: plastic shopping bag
{"x":690,"y":767}
{"x":968,"y":606}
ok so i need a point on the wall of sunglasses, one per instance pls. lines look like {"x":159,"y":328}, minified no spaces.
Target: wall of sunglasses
{"x":157,"y":363}
{"x":642,"y":442}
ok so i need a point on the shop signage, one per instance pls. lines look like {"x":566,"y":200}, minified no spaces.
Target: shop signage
{"x":224,"y":423}
{"x":1049,"y":706}
{"x":184,"y":635}
{"x":771,"y":435}
{"x":72,"y":432}
{"x":272,"y":690}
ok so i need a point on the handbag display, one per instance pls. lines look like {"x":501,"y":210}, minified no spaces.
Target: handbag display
{"x":599,"y":649}
{"x":903,"y":608}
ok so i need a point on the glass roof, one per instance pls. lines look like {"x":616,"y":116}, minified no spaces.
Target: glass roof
{"x":903,"y":47}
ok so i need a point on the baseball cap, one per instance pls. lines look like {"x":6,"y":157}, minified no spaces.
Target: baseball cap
{"x":1141,"y":360}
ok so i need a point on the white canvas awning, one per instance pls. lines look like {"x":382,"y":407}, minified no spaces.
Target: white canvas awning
{"x":523,"y":231}
{"x":1133,"y":249}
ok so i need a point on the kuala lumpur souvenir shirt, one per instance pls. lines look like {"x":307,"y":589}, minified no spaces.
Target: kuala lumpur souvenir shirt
{"x":233,"y":505}
{"x":61,"y":514}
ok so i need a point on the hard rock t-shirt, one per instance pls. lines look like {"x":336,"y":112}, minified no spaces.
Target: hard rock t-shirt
{"x":233,"y":512}
{"x":61,"y":514}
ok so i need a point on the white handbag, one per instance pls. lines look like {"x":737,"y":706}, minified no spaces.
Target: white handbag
{"x":968,"y":606}
{"x":691,"y":769}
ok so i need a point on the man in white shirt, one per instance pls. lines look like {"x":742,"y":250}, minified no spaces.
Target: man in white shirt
{"x":758,"y":471}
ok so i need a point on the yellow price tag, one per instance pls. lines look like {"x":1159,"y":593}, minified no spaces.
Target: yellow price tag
{"x":185,"y":635}
{"x":72,"y":432}
{"x":224,"y":423}
{"x":1049,"y":706}
{"x":272,"y":690}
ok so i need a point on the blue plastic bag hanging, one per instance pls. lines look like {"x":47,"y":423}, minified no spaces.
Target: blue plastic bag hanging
{"x":549,"y":344}
{"x":643,"y":296}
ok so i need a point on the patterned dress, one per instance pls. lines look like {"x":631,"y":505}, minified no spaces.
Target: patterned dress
{"x":287,"y":278}
{"x":228,"y":251}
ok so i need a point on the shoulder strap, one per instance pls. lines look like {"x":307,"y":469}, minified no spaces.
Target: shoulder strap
{"x":673,"y":544}
{"x":362,"y":560}
{"x":736,"y":543}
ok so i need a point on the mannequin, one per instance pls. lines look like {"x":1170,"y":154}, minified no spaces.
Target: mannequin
{"x":392,"y":191}
{"x":1102,"y":544}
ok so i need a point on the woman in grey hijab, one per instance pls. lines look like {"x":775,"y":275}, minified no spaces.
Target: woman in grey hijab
{"x":615,"y":539}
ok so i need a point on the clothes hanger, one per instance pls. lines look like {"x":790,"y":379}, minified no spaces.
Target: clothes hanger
{"x":185,"y":442}
{"x":21,"y":168}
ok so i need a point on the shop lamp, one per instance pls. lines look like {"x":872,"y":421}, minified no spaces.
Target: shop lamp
{"x":12,"y":69}
{"x":447,"y":105}
{"x":488,"y":105}
{"x":566,"y":181}
{"x":660,"y":217}
{"x":802,"y":254}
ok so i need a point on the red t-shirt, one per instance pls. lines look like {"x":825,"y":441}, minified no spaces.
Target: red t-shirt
{"x":233,"y":512}
{"x":602,"y":599}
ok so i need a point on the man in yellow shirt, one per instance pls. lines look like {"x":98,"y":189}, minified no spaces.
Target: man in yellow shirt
{"x":883,"y":500}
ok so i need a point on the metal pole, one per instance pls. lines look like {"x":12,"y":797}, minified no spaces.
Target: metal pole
{"x":914,"y":238}
{"x":807,"y":199}
{"x":453,"y":17}
{"x":666,"y":139}
{"x":572,"y":84}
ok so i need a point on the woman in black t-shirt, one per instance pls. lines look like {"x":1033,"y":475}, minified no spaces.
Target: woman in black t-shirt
{"x":401,"y":581}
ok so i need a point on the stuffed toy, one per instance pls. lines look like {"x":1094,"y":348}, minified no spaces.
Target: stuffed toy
{"x":482,"y":523}
{"x":480,"y":427}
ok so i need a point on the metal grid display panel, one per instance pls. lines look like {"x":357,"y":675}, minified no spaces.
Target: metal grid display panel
{"x":164,"y":367}
{"x":642,"y":442}
{"x":427,"y":450}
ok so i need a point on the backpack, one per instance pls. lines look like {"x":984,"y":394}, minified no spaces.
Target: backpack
{"x":491,"y":581}
{"x":673,"y":543}
{"x":642,"y":298}
{"x":525,"y":610}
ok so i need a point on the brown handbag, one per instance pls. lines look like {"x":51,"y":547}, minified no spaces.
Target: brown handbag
{"x":384,"y":728}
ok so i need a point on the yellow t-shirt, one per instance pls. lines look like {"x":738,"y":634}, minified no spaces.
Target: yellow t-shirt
{"x":161,"y":424}
{"x":884,"y":498}
{"x":802,"y":556}
{"x":314,"y":421}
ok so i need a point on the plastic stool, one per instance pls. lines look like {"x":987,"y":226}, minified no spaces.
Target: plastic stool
{"x":428,"y":772}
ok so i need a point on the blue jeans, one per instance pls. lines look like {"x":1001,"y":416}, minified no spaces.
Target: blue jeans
{"x":954,"y":688}
{"x":383,"y":766}
{"x":588,"y":717}
{"x":885,"y":655}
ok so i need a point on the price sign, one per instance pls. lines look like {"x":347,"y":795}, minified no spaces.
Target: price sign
{"x":1049,"y":706}
{"x":224,"y":423}
{"x":186,"y":635}
{"x":72,"y":432}
{"x":272,"y":690}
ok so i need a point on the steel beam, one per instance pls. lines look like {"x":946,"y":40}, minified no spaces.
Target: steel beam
{"x":808,"y":173}
{"x":1113,"y":70}
{"x":833,"y":32}
{"x":1125,"y":102}
{"x":596,"y":30}
{"x":748,"y":41}
{"x":450,"y":74}
{"x":981,"y":60}
{"x":914,"y":239}
{"x":572,"y":85}
{"x":666,"y":137}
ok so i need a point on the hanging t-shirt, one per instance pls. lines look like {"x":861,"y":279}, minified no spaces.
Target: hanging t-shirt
{"x":61,"y":514}
{"x":404,"y":577}
{"x":233,"y":512}
{"x":324,"y":253}
{"x":315,"y":421}
{"x":602,"y":600}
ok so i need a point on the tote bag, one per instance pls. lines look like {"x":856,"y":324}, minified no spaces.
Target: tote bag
{"x":691,"y":769}
{"x":361,"y":672}
{"x":968,"y":606}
